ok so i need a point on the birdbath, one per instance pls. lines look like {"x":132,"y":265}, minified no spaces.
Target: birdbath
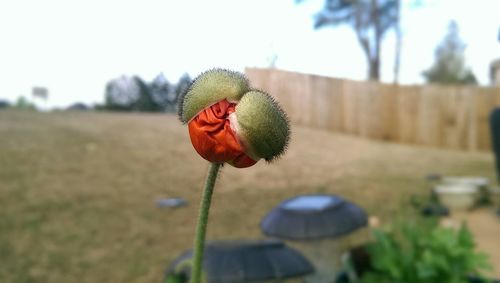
{"x":318,"y":226}
{"x":239,"y":261}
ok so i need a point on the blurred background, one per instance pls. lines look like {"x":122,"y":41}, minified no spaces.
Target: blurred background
{"x":388,"y":100}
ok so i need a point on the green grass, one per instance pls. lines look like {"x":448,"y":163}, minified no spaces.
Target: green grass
{"x":78,"y":190}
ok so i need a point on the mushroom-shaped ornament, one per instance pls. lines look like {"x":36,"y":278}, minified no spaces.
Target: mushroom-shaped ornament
{"x":239,"y":261}
{"x":318,"y":225}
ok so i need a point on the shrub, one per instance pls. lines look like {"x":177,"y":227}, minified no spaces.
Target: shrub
{"x":424,"y":252}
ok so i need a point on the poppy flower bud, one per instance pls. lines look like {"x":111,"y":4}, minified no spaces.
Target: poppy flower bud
{"x":209,"y":88}
{"x":229,"y":122}
{"x":262,"y":125}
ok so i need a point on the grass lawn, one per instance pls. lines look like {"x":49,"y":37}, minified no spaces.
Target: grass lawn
{"x":78,"y":190}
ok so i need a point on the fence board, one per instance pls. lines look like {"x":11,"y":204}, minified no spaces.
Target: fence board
{"x":454,"y":117}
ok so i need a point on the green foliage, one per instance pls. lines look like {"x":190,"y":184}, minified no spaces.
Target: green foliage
{"x":423,"y":252}
{"x":23,"y":104}
{"x":449,"y":66}
{"x":172,"y":278}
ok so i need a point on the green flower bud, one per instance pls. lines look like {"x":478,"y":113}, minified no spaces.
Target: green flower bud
{"x":209,"y":88}
{"x":262,"y":125}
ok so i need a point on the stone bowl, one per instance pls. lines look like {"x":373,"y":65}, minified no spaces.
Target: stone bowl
{"x":457,"y":196}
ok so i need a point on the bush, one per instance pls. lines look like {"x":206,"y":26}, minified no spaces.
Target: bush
{"x":424,"y":252}
{"x":4,"y":104}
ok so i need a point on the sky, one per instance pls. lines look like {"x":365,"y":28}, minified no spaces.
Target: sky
{"x":75,"y":47}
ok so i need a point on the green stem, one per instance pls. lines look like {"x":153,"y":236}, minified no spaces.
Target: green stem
{"x":201,"y":226}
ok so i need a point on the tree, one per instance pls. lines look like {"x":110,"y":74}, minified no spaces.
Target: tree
{"x":130,"y":94}
{"x":370,"y":19}
{"x":120,"y":94}
{"x":134,"y":94}
{"x":399,"y":42}
{"x":181,"y":86}
{"x":24,"y":104}
{"x":449,"y":66}
{"x":4,"y":104}
{"x":145,"y":102}
{"x":160,"y":89}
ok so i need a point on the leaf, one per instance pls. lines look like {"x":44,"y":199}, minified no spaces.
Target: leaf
{"x":424,"y":252}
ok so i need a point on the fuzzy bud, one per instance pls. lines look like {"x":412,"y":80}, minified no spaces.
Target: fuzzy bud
{"x":262,"y":125}
{"x":209,"y":88}
{"x":230,"y":123}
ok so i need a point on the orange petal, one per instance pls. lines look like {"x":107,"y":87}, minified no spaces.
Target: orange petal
{"x":213,"y":138}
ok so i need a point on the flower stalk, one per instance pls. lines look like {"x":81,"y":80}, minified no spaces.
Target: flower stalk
{"x":201,"y":226}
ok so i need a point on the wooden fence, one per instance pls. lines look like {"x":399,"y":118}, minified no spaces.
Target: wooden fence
{"x":445,"y":116}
